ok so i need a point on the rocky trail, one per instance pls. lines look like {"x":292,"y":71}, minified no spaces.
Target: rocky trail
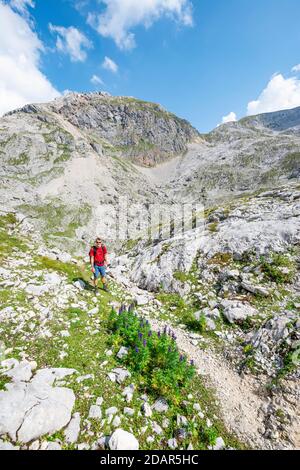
{"x":60,"y":376}
{"x":242,"y":400}
{"x":221,"y":296}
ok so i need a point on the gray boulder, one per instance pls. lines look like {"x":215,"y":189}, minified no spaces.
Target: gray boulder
{"x":237,"y":312}
{"x":123,"y":440}
{"x":32,"y":409}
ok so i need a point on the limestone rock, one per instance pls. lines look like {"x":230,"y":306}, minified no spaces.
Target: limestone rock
{"x":123,"y":440}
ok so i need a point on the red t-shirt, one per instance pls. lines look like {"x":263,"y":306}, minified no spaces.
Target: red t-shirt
{"x":99,"y":254}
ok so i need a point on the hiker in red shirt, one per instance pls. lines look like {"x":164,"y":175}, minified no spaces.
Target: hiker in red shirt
{"x":99,"y":262}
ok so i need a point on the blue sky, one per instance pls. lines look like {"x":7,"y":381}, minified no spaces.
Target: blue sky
{"x":204,"y":60}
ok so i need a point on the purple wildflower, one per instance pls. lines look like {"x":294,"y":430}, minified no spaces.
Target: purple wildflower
{"x":140,"y":335}
{"x":159,"y":334}
{"x":192,"y":363}
{"x":181,"y":358}
{"x":150,"y":334}
{"x":145,"y":343}
{"x":137,"y":349}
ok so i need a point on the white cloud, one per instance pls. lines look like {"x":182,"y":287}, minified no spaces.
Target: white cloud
{"x":71,"y":41}
{"x":229,"y":118}
{"x":95,"y":80}
{"x":21,"y":80}
{"x":121,"y":16}
{"x":22,"y":5}
{"x":280,"y":93}
{"x":296,"y":69}
{"x":110,"y":65}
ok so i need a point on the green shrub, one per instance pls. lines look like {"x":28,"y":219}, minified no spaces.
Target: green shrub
{"x":273,"y":269}
{"x":223,"y":259}
{"x":209,"y":436}
{"x":213,"y":227}
{"x":154,"y":357}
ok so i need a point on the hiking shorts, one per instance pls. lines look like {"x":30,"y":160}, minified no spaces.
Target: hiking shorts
{"x":100,"y":271}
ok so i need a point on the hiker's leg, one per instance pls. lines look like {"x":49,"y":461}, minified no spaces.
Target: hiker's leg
{"x":103,"y":277}
{"x":96,"y":276}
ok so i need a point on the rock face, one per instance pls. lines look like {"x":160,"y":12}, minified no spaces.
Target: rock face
{"x":268,"y":223}
{"x":155,"y":266}
{"x":31,"y":407}
{"x":145,"y":131}
{"x":58,"y":158}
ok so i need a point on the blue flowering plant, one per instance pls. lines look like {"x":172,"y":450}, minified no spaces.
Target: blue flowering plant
{"x":153,"y":356}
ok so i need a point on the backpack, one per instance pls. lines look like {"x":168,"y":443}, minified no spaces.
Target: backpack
{"x":95,"y":250}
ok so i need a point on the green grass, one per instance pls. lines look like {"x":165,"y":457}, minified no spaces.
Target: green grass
{"x":72,"y":271}
{"x":223,"y":259}
{"x":213,"y":227}
{"x":3,"y":381}
{"x":8,"y":243}
{"x":21,"y":159}
{"x":181,"y":276}
{"x":274,"y":269}
{"x":57,"y":218}
{"x":7,"y":220}
{"x":86,"y":352}
{"x":291,"y":161}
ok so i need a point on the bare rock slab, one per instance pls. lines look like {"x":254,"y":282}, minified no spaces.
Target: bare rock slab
{"x":29,"y":410}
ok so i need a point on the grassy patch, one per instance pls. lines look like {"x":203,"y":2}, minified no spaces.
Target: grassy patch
{"x":279,"y":268}
{"x":223,"y":259}
{"x":3,"y":381}
{"x":72,"y":271}
{"x":8,"y":243}
{"x":291,"y":161}
{"x":59,"y":219}
{"x":213,"y":227}
{"x":21,"y":159}
{"x":7,"y":220}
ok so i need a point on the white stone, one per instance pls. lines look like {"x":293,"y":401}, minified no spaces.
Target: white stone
{"x":7,"y":446}
{"x":123,"y":440}
{"x":72,"y":431}
{"x":128,"y":411}
{"x":64,"y":257}
{"x":53,"y":446}
{"x":116,"y":422}
{"x":172,"y":444}
{"x":94,"y":311}
{"x":161,"y":405}
{"x":111,"y":411}
{"x":121,"y":375}
{"x":95,"y":412}
{"x":236,"y":311}
{"x":80,"y":285}
{"x":122,"y":352}
{"x":220,"y":444}
{"x":147,"y":410}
